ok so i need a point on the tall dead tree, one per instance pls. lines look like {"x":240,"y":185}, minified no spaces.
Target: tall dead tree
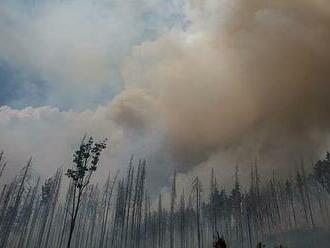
{"x":105,"y":215}
{"x":11,"y":214}
{"x":3,"y":163}
{"x":197,"y":189}
{"x":173,"y":199}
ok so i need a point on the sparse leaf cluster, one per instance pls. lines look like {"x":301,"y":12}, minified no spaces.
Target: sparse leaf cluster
{"x":85,"y":161}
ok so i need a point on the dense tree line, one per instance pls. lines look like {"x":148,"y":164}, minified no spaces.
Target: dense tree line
{"x":120,"y":213}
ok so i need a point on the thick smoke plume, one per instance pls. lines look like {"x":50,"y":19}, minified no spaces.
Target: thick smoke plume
{"x":250,"y":75}
{"x":232,"y":80}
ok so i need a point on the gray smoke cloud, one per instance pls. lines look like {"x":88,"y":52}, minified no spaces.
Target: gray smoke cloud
{"x":247,"y":75}
{"x":241,"y":79}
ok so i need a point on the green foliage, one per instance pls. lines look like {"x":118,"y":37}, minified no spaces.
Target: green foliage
{"x":85,"y":161}
{"x":322,"y":172}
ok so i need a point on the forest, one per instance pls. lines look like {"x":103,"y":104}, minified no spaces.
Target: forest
{"x":120,"y":213}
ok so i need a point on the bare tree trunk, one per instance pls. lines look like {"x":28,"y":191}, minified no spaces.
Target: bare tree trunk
{"x":75,"y":208}
{"x":173,"y":196}
{"x":10,"y":219}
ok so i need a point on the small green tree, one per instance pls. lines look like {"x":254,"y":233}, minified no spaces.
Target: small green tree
{"x":322,"y":172}
{"x":85,"y":162}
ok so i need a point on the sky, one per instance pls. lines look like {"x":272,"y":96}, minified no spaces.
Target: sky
{"x":189,"y":85}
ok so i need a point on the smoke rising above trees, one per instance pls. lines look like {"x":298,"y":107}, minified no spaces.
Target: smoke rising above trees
{"x":246,"y":78}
